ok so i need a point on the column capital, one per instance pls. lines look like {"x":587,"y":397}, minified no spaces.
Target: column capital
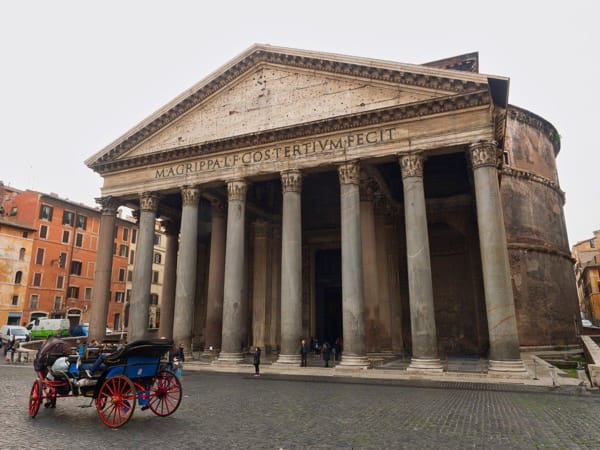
{"x":484,"y":153}
{"x":218,"y":208}
{"x":236,"y":190}
{"x":170,"y":226}
{"x":368,"y":188}
{"x":411,"y":164}
{"x":349,"y":172}
{"x":291,"y":181}
{"x":149,"y":201}
{"x":190,"y":195}
{"x":108,"y":204}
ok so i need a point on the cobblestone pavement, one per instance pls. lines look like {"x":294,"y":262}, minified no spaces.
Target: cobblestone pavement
{"x":235,"y":411}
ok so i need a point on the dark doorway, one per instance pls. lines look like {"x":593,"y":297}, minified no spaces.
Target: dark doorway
{"x":328,"y":284}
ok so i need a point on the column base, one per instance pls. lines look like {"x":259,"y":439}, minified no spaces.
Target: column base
{"x":229,"y":358}
{"x":353,"y":362}
{"x":287,"y":360}
{"x":429,"y":365}
{"x":514,"y":368}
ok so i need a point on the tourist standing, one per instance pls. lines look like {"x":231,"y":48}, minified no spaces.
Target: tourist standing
{"x":304,"y":353}
{"x":256,"y":362}
{"x":326,"y":352}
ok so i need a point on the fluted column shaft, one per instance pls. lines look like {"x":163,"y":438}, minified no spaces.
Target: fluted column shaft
{"x":167,"y":301}
{"x":504,"y":352}
{"x":353,"y":353}
{"x":185,"y":287}
{"x":142,"y":269}
{"x":420,"y":285}
{"x":216,"y":274}
{"x":291,"y":267}
{"x":232,"y":336}
{"x":103,"y":269}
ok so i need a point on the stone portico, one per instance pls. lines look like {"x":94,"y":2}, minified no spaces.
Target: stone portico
{"x":338,"y":198}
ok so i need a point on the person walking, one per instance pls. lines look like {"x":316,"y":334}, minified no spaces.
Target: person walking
{"x":326,"y":352}
{"x":304,"y":353}
{"x":256,"y":362}
{"x":12,"y":347}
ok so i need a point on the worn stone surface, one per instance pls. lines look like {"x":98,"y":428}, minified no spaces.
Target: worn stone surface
{"x":238,"y":411}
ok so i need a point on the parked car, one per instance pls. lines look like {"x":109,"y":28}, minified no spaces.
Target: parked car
{"x":8,"y":331}
{"x":83,"y":329}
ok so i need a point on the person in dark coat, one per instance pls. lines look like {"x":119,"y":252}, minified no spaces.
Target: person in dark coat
{"x":304,"y":353}
{"x":326,"y":352}
{"x":256,"y":362}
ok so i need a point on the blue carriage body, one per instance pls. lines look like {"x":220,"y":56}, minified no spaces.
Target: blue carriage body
{"x":133,"y":373}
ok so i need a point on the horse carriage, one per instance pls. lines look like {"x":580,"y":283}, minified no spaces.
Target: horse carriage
{"x":135,"y":373}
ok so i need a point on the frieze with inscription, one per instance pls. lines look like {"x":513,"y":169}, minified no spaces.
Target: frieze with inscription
{"x":288,"y":152}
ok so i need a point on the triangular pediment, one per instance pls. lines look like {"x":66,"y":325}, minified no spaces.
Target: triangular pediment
{"x":272,"y":97}
{"x":269,"y":88}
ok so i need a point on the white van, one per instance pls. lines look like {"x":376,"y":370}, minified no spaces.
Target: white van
{"x":43,"y":328}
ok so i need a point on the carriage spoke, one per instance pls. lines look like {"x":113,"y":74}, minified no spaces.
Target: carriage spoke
{"x":116,"y":401}
{"x":165,"y":394}
{"x":35,"y":398}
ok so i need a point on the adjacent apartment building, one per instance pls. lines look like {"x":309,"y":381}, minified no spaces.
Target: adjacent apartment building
{"x":48,"y":255}
{"x":587,"y":274}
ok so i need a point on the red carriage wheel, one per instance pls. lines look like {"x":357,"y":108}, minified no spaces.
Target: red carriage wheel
{"x":35,"y":398}
{"x":165,"y":393}
{"x":116,"y":401}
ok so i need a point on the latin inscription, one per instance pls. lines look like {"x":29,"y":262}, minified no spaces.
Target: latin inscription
{"x":279,"y":153}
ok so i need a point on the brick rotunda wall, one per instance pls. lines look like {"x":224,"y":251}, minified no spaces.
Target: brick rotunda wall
{"x":541,"y":266}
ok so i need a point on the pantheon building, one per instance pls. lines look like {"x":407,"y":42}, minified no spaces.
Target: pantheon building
{"x":399,"y":208}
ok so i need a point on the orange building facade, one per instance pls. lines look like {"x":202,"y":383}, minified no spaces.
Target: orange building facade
{"x":587,"y":274}
{"x":16,"y":242}
{"x":63,"y":258}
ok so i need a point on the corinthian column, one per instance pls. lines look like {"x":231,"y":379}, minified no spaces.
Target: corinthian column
{"x":370,"y":269}
{"x":353,"y":308}
{"x":261,"y":284}
{"x":291,"y":267}
{"x":142,"y":269}
{"x":504,"y":356}
{"x":216,"y":274}
{"x":231,"y":348}
{"x":420,"y":286}
{"x":167,"y":298}
{"x":103,"y":270}
{"x":185,"y":287}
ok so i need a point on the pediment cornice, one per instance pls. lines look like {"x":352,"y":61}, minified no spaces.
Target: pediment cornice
{"x":440,"y":105}
{"x":361,"y":68}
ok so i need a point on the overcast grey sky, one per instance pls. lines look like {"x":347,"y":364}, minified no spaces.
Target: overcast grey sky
{"x":76,"y":75}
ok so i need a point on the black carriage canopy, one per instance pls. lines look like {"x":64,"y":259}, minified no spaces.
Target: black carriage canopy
{"x":56,"y":347}
{"x":151,"y":348}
